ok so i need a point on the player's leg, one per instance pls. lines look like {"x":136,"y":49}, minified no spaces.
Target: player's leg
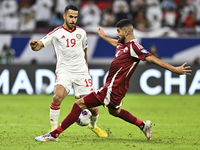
{"x":95,"y":111}
{"x":145,"y":126}
{"x":70,"y":119}
{"x":83,"y":85}
{"x":95,"y":114}
{"x":127,"y":116}
{"x":62,"y":87}
{"x":59,"y":94}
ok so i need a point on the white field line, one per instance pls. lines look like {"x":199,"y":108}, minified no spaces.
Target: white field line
{"x":23,"y":124}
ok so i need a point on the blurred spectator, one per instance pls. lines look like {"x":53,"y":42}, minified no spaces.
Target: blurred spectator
{"x":108,"y":18}
{"x":153,"y":51}
{"x":196,"y":61}
{"x":25,"y":3}
{"x":137,"y":6}
{"x":155,"y":24}
{"x":8,"y":12}
{"x":60,"y":6}
{"x":197,"y":11}
{"x":90,"y":14}
{"x":77,"y":3}
{"x":190,"y":21}
{"x":153,"y":9}
{"x":27,"y":23}
{"x":6,"y":55}
{"x":170,"y":17}
{"x":11,"y":23}
{"x":168,"y":4}
{"x":117,"y":6}
{"x":8,"y":7}
{"x":184,"y":11}
{"x":42,"y":10}
{"x":1,"y":21}
{"x":121,"y":14}
{"x":139,"y":21}
{"x":56,"y":20}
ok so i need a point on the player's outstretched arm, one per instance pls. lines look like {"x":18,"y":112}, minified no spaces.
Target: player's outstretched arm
{"x":178,"y":70}
{"x":35,"y":45}
{"x":111,"y":41}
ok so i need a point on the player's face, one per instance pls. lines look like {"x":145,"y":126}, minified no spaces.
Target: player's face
{"x":70,"y":18}
{"x":121,"y":35}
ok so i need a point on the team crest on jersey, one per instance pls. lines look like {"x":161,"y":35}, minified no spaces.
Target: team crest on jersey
{"x":78,"y":36}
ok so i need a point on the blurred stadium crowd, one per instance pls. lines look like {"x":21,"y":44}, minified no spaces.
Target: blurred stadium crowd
{"x":41,"y":16}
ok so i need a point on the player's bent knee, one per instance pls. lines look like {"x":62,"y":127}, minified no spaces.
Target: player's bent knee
{"x":114,"y":112}
{"x":81,"y":103}
{"x":57,"y":98}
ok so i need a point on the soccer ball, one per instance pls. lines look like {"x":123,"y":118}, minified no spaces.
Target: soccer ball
{"x":85,"y":118}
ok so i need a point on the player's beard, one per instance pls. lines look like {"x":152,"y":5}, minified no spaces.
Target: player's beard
{"x":122,"y":40}
{"x":71,"y":27}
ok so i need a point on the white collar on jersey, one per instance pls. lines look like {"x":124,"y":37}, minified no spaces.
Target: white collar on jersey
{"x":134,"y":40}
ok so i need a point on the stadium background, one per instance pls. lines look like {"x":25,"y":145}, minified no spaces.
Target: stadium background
{"x":33,"y":72}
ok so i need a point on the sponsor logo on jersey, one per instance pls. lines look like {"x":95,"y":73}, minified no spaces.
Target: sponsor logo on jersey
{"x":125,"y":49}
{"x":144,"y":51}
{"x":78,"y":36}
{"x":63,"y":37}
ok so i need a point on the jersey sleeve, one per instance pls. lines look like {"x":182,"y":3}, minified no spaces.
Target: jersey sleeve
{"x":138,"y":51}
{"x":47,"y":40}
{"x":85,"y":45}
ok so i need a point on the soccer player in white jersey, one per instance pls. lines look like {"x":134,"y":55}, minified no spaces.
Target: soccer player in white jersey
{"x":128,"y":54}
{"x":70,"y":44}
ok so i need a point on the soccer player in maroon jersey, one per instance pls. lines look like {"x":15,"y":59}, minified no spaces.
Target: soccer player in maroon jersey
{"x":128,"y":54}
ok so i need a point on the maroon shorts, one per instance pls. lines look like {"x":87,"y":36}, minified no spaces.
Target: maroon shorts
{"x":91,"y":101}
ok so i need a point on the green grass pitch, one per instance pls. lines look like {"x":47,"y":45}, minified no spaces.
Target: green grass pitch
{"x":175,"y":126}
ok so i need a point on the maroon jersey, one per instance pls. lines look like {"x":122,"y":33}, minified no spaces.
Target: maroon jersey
{"x":126,"y":59}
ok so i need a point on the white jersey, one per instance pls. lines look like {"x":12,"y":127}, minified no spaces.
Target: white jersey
{"x":69,"y":47}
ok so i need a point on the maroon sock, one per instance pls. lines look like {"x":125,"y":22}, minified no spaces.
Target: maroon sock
{"x":69,"y":120}
{"x":125,"y":115}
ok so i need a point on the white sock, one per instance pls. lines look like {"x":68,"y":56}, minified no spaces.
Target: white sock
{"x":54,"y":115}
{"x":93,"y":122}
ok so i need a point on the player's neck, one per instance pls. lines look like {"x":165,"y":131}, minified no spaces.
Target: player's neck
{"x":66,"y":27}
{"x":129,"y":38}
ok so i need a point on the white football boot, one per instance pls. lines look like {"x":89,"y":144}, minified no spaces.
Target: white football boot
{"x":46,"y":137}
{"x":147,"y":129}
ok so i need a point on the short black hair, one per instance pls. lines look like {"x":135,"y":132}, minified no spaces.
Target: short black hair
{"x":73,"y":7}
{"x":123,"y":23}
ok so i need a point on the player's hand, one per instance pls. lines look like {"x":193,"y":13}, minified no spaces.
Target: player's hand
{"x":33,"y":44}
{"x":101,"y":32}
{"x":184,"y":70}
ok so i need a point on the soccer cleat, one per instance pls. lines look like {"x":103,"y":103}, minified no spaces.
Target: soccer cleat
{"x":98,"y":131}
{"x":147,"y":129}
{"x":46,"y":137}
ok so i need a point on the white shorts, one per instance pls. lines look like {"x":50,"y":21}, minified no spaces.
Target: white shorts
{"x":81,"y":83}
